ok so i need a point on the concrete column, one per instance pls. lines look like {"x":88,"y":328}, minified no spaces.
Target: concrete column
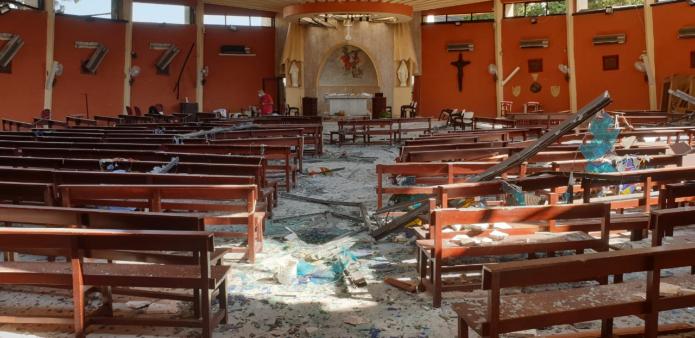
{"x":127,"y":14}
{"x":199,"y":51}
{"x":499,"y":15}
{"x":571,"y":57}
{"x":50,"y":42}
{"x":651,"y":64}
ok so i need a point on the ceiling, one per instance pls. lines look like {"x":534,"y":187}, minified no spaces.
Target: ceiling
{"x":277,"y":5}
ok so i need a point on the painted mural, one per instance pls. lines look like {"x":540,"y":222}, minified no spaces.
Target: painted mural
{"x":348,"y":66}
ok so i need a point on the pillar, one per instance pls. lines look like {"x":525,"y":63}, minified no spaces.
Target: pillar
{"x":127,"y":14}
{"x":651,"y":64}
{"x":571,"y":63}
{"x":199,"y":51}
{"x":499,"y":15}
{"x":50,"y":42}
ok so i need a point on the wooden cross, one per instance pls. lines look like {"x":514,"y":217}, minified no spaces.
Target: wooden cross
{"x":459,"y":64}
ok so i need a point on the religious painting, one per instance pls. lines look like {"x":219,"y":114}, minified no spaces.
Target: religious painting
{"x":611,"y":62}
{"x":348,"y":66}
{"x":535,"y":65}
{"x":692,"y":59}
{"x":351,"y":61}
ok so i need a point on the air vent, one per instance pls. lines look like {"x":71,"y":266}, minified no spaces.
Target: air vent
{"x":536,"y":43}
{"x":615,"y":39}
{"x":460,"y":47}
{"x":686,"y":33}
{"x":9,"y":50}
{"x":92,"y":64}
{"x":234,"y":50}
{"x":166,"y":59}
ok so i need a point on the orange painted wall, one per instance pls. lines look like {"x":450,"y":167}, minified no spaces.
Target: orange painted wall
{"x":233,"y":81}
{"x":21,"y":93}
{"x":672,"y":53}
{"x":626,"y":85}
{"x":553,"y":28}
{"x":105,"y":88}
{"x":438,"y":80}
{"x":151,"y":88}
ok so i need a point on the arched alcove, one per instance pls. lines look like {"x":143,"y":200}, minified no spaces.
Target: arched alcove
{"x":346,"y":69}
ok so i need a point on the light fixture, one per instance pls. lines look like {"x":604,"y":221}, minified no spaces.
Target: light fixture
{"x":348,"y":27}
{"x":492,"y":69}
{"x":133,"y":73}
{"x":564,"y":69}
{"x":642,"y":66}
{"x":53,"y":74}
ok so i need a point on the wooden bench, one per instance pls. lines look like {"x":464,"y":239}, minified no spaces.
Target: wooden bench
{"x":364,"y":129}
{"x":429,"y":175}
{"x":77,"y":275}
{"x":34,"y":193}
{"x":663,"y":221}
{"x":79,"y":121}
{"x":295,"y":143}
{"x":522,"y":239}
{"x":107,"y":120}
{"x":494,"y":121}
{"x":500,"y":313}
{"x":8,"y":124}
{"x":219,"y":205}
{"x":402,"y":126}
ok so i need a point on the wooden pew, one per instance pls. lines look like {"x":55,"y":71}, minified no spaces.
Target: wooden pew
{"x":278,"y":153}
{"x":137,"y":166}
{"x":218,"y":204}
{"x":107,"y":120}
{"x":523,"y":239}
{"x":502,"y":313}
{"x":429,"y":175}
{"x":364,"y":129}
{"x":269,"y":194}
{"x":79,"y":121}
{"x":77,"y":274}
{"x":34,"y":193}
{"x":8,"y":124}
{"x":663,"y":222}
{"x":295,"y":143}
{"x":402,"y":126}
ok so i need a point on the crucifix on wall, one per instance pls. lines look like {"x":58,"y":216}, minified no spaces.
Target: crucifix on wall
{"x":459,"y":64}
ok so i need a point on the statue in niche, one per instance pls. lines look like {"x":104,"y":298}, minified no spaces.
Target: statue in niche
{"x":403,"y":74}
{"x":294,"y":75}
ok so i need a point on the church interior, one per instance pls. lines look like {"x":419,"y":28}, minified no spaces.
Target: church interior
{"x":347,"y":168}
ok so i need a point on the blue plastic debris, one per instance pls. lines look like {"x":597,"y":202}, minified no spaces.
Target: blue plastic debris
{"x":600,"y":167}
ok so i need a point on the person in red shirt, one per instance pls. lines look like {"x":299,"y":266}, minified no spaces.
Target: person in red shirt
{"x":266,"y":103}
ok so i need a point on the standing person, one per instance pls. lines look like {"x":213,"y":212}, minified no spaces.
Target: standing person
{"x":266,"y":103}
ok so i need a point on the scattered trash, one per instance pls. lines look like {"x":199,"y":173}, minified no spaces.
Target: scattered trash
{"x":286,"y":273}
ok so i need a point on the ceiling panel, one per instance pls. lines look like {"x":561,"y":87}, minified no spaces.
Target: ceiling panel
{"x":277,"y":5}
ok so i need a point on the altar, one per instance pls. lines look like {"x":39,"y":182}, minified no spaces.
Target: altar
{"x":350,"y":104}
